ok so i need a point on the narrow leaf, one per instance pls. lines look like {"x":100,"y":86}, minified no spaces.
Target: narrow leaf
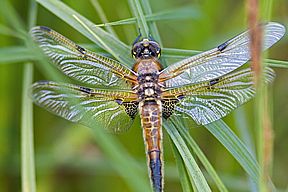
{"x":15,"y":54}
{"x":235,"y":146}
{"x":140,"y":17}
{"x":196,"y":149}
{"x":190,"y":163}
{"x":27,"y":138}
{"x":183,"y":174}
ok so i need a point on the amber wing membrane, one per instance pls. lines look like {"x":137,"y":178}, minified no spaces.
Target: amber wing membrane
{"x":219,"y":61}
{"x":82,"y":64}
{"x":208,"y":101}
{"x":113,"y":110}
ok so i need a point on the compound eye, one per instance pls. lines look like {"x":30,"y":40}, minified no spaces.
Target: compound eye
{"x":136,"y":51}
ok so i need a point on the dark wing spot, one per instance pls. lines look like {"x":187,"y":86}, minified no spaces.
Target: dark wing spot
{"x":44,"y":28}
{"x":81,"y":49}
{"x":222,"y":46}
{"x":131,"y":108}
{"x":213,"y":82}
{"x":86,"y":90}
{"x":168,"y":107}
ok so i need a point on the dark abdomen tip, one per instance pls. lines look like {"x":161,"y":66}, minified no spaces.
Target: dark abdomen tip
{"x":156,"y":171}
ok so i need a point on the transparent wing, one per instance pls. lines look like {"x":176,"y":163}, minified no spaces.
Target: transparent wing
{"x":113,"y":110}
{"x":220,"y":60}
{"x":81,"y":64}
{"x":211,"y":100}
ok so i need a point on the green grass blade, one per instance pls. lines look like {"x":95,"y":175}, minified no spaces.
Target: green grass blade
{"x":119,"y":50}
{"x":14,"y":54}
{"x":102,"y":15}
{"x":187,"y":12}
{"x":182,"y":171}
{"x":137,"y":11}
{"x":175,"y":14}
{"x":192,"y":168}
{"x":242,"y":126}
{"x":151,"y":24}
{"x":5,"y":30}
{"x":236,"y":147}
{"x":32,"y":17}
{"x":119,"y":22}
{"x":196,"y":149}
{"x":152,"y":27}
{"x":27,"y":140}
{"x":28,"y":177}
{"x":276,"y":63}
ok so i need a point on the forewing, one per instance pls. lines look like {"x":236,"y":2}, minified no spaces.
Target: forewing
{"x":219,"y":61}
{"x":113,"y":110}
{"x":81,"y":64}
{"x":211,"y":100}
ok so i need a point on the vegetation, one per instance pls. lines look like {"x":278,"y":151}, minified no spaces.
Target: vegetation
{"x":70,"y":157}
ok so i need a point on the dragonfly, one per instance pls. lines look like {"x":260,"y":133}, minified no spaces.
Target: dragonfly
{"x":206,"y":86}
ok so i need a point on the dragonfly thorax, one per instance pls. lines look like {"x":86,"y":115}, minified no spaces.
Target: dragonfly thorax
{"x":148,"y":87}
{"x":147,"y":66}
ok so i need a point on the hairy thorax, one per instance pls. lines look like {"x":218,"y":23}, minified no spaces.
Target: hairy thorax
{"x":149,"y":87}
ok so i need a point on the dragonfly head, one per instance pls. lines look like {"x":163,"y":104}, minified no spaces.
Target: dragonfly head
{"x":146,"y":49}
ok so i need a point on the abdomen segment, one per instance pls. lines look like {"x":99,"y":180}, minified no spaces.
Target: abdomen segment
{"x":151,"y":120}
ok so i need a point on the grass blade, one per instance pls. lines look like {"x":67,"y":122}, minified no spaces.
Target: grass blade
{"x":196,"y":149}
{"x":102,"y":15}
{"x":242,"y":126}
{"x":151,"y":24}
{"x":27,"y":140}
{"x":192,"y":168}
{"x":276,"y":63}
{"x":175,"y":14}
{"x":235,"y":146}
{"x":5,"y":30}
{"x":139,"y":14}
{"x":183,"y":174}
{"x":15,"y":54}
{"x":27,"y":137}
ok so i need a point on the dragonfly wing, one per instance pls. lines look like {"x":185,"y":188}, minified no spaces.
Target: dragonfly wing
{"x":82,"y":64}
{"x":113,"y":110}
{"x":211,"y":100}
{"x":219,"y":61}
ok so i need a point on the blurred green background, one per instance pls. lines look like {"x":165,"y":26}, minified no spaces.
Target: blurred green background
{"x":68,"y":157}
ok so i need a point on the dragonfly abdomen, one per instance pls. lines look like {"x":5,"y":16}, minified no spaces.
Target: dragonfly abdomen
{"x":151,"y":120}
